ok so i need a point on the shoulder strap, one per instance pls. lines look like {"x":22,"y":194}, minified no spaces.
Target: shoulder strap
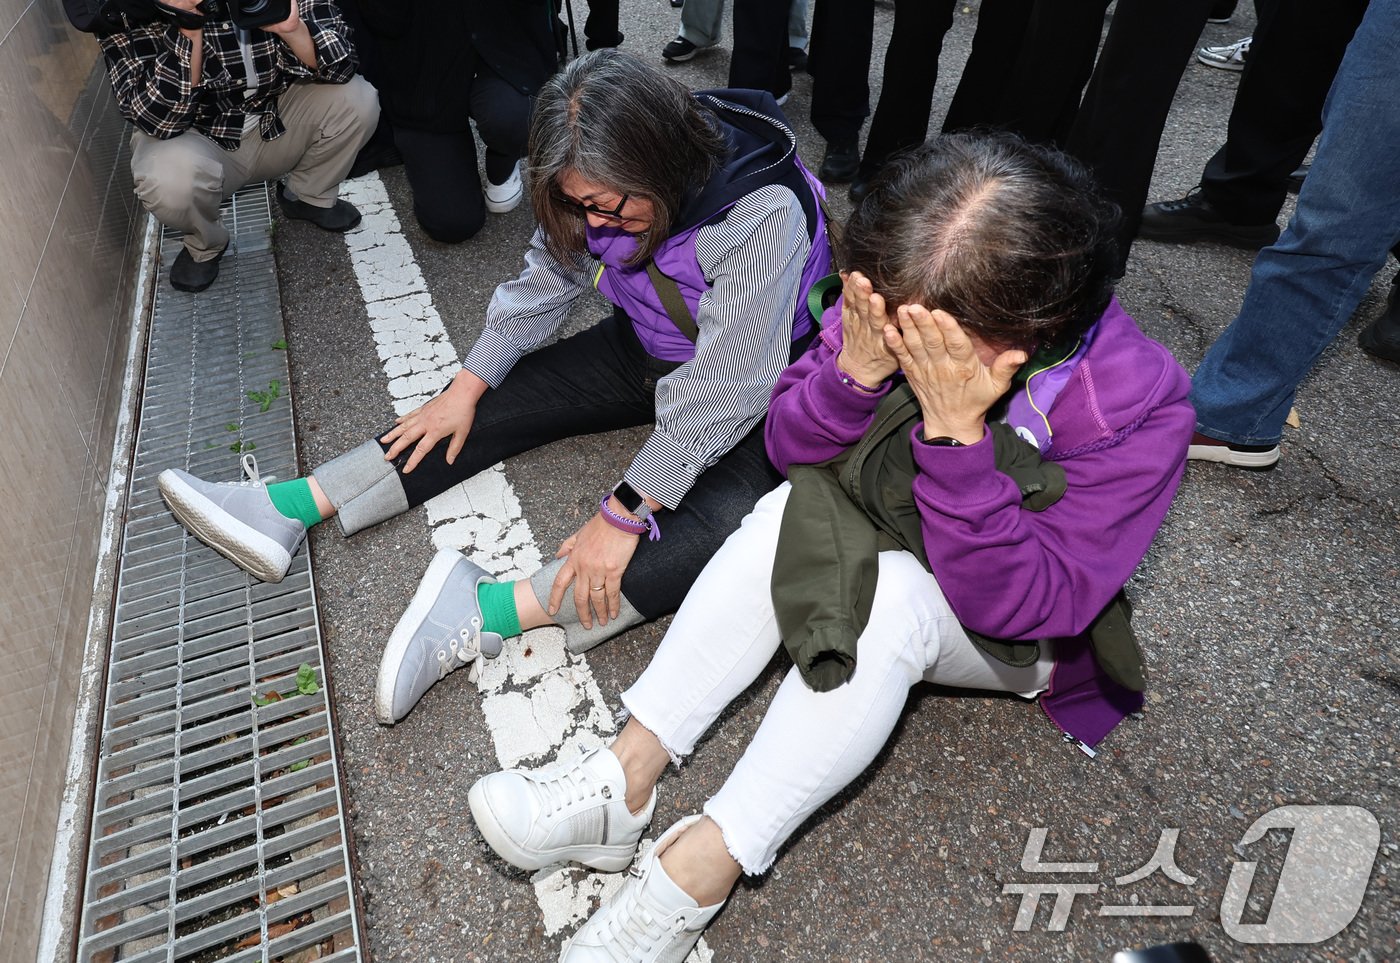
{"x":671,"y":299}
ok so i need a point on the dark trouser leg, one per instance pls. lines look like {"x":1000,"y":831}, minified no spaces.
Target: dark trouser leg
{"x":839,"y":62}
{"x":502,"y":115}
{"x":1124,"y":110}
{"x":661,"y":573}
{"x":911,"y":70}
{"x":759,"y":61}
{"x":598,"y":380}
{"x":1041,"y":75}
{"x":441,"y":169}
{"x":1278,"y":108}
{"x":601,"y":26}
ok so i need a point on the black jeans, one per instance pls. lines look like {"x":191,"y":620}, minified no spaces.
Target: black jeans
{"x":441,"y":166}
{"x":599,"y":380}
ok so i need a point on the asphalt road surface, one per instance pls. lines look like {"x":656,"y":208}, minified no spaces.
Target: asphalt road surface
{"x":1267,"y":608}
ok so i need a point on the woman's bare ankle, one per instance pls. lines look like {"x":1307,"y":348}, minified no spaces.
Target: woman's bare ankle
{"x":698,"y":861}
{"x":643,"y":759}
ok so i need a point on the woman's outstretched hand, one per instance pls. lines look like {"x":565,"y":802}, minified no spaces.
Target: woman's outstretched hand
{"x":450,"y":414}
{"x":954,"y":386}
{"x":597,"y":554}
{"x":865,"y":355}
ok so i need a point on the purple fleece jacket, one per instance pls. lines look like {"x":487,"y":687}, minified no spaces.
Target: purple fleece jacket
{"x":1120,"y":427}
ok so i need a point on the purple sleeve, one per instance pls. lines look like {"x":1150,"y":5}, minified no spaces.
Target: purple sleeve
{"x":814,"y":416}
{"x":1017,"y":574}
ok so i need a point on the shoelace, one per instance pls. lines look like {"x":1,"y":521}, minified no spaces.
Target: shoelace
{"x":462,"y":648}
{"x":252,"y":479}
{"x":1191,"y":200}
{"x":569,"y":787}
{"x":632,"y":928}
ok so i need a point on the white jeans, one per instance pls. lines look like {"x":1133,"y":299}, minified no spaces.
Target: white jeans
{"x":810,"y":744}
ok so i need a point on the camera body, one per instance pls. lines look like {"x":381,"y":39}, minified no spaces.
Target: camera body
{"x":249,"y":13}
{"x":109,"y":16}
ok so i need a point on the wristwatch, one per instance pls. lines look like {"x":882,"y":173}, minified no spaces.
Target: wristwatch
{"x":629,"y":499}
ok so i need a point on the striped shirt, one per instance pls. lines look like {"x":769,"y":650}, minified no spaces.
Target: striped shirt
{"x":753,"y":260}
{"x":149,"y":65}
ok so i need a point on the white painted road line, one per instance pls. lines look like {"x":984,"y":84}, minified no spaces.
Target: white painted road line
{"x":538,"y":706}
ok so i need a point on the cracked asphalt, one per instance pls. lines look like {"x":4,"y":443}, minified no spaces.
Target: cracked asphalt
{"x":1267,"y":609}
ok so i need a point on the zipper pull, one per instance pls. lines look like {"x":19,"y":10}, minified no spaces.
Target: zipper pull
{"x":1081,"y":746}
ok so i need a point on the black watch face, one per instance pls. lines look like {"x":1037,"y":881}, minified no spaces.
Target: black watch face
{"x":627,"y":496}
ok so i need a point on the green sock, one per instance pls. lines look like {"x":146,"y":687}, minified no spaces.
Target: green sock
{"x":294,"y":499}
{"x":497,"y":602}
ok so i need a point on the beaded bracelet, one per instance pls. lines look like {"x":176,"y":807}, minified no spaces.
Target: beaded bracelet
{"x":626,"y":524}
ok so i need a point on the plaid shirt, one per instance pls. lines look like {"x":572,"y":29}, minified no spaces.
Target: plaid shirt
{"x":149,"y":65}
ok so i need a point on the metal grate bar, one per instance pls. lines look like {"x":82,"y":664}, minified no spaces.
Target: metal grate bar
{"x":218,"y":829}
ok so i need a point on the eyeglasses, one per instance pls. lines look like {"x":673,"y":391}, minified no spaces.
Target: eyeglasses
{"x":613,"y":215}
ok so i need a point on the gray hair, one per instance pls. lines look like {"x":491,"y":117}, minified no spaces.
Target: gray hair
{"x":1011,"y":238}
{"x":618,"y":122}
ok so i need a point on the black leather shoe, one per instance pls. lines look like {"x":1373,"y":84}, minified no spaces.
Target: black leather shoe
{"x":1381,"y":338}
{"x":1192,"y":218}
{"x":1295,"y":180}
{"x":840,"y":163}
{"x":865,"y":180}
{"x":339,"y":217}
{"x":187,"y":274}
{"x":598,"y":43}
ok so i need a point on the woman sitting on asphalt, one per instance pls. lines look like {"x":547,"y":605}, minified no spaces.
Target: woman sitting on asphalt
{"x":693,"y":215}
{"x":986,"y":443}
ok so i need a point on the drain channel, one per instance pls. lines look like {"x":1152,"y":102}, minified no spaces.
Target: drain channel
{"x":218,"y":829}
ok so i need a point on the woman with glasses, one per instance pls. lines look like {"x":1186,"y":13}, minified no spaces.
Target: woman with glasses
{"x":692,"y":215}
{"x":980,"y":446}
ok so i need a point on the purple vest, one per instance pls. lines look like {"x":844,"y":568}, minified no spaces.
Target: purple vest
{"x":631,"y":290}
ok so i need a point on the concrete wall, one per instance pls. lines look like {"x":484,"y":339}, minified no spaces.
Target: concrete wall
{"x":67,"y":265}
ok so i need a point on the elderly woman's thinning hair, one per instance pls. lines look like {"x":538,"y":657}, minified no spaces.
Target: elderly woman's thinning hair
{"x":1013,"y":239}
{"x":619,"y":123}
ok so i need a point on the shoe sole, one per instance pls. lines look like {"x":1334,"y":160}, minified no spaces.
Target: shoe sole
{"x":1245,"y":239}
{"x":428,"y":590}
{"x":261,"y":557}
{"x":1248,"y":460}
{"x":502,"y":207}
{"x":1220,"y":64}
{"x":607,"y":859}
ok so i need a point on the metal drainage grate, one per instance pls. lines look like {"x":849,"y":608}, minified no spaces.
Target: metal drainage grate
{"x":218,"y":830}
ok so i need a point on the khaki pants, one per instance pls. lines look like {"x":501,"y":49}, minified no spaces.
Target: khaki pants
{"x":183,"y":180}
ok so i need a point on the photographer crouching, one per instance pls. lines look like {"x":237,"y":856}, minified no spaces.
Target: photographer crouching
{"x":223,"y":94}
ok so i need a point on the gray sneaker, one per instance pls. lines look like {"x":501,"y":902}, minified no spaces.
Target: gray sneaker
{"x":236,"y":519}
{"x":439,"y":633}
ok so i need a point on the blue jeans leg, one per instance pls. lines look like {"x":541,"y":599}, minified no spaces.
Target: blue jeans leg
{"x":1304,"y":288}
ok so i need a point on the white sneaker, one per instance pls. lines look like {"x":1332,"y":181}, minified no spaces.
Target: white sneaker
{"x":1229,"y":57}
{"x":505,"y":197}
{"x":651,"y":920}
{"x":577,"y":812}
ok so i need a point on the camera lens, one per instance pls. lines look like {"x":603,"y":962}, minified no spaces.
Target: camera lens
{"x":252,"y":6}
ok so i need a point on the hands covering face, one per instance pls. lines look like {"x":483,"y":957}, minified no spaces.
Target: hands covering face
{"x":956,"y":376}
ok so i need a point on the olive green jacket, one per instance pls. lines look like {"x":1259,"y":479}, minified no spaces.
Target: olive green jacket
{"x":842,"y":513}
